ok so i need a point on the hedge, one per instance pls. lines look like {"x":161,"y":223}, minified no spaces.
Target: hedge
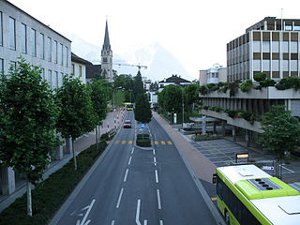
{"x":50,"y":194}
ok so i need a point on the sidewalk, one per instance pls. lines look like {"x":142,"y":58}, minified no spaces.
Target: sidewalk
{"x":112,"y":121}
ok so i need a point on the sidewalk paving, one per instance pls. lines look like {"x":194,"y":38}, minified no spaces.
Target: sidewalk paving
{"x":112,"y":121}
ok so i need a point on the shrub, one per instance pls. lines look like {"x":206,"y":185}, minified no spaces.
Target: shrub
{"x":203,"y":89}
{"x":49,"y":195}
{"x":233,"y":87}
{"x":288,"y":82}
{"x":259,"y":76}
{"x":246,"y":85}
{"x":223,"y":87}
{"x":267,"y":83}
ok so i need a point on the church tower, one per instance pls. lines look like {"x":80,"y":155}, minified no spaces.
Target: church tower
{"x":107,"y":57}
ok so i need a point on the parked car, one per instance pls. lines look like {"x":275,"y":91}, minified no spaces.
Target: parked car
{"x":127,"y":124}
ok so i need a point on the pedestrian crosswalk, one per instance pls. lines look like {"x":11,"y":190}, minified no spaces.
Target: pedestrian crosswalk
{"x":129,"y":142}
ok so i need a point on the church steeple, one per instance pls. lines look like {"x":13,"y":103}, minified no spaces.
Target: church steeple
{"x":106,"y":44}
{"x":106,"y":57}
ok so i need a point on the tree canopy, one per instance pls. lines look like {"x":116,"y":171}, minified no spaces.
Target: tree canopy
{"x":281,"y":131}
{"x":28,"y":116}
{"x":142,"y":112}
{"x":77,"y":115}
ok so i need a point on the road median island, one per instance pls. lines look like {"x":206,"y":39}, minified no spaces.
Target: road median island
{"x":49,"y":195}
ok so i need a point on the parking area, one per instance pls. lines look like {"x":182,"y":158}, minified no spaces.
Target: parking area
{"x":223,"y":152}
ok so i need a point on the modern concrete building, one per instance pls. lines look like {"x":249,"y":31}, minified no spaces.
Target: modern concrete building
{"x":21,"y":35}
{"x":215,"y":74}
{"x":271,"y":46}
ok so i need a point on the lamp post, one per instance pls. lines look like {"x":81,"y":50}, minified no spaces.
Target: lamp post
{"x":182,"y":107}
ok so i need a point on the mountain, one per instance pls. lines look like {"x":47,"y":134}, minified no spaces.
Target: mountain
{"x":159,"y":61}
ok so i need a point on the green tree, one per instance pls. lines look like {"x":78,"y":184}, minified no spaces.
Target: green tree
{"x":142,"y":112}
{"x":170,"y":99}
{"x":99,"y":97}
{"x":191,"y":96}
{"x":28,"y":116}
{"x":281,"y":131}
{"x":138,"y":86}
{"x":77,"y":115}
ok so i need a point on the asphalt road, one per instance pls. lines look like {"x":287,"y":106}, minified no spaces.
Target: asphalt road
{"x":132,"y":185}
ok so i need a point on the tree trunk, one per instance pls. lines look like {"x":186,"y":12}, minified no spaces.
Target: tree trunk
{"x":29,"y":200}
{"x":74,"y":155}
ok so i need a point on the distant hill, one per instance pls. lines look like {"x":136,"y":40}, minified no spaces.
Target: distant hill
{"x":160,"y":62}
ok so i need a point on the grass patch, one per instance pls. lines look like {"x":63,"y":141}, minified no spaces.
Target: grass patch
{"x":50,"y":194}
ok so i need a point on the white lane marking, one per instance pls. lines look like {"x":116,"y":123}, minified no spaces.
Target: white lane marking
{"x":137,"y":215}
{"x":132,"y":150}
{"x":129,"y":161}
{"x":156,"y":176}
{"x":154,"y":152}
{"x":126,"y":174}
{"x":145,"y":222}
{"x":154,"y":160}
{"x":119,"y":199}
{"x":158,"y":199}
{"x":161,"y":222}
{"x":113,"y":222}
{"x":89,"y":207}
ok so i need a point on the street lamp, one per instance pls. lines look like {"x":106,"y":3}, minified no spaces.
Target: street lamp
{"x":182,"y":107}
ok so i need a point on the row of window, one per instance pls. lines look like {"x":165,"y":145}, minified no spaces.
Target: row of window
{"x":54,"y":78}
{"x":32,"y":42}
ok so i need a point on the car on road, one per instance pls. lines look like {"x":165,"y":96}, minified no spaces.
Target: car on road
{"x":127,"y":124}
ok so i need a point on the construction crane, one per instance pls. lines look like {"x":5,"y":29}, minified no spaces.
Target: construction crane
{"x":134,"y":65}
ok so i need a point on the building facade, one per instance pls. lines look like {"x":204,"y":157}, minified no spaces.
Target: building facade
{"x":79,"y":67}
{"x":215,"y":74}
{"x":271,"y":46}
{"x":107,"y":57}
{"x":21,"y":35}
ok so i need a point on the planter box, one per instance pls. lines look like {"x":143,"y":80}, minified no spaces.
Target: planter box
{"x":264,"y":93}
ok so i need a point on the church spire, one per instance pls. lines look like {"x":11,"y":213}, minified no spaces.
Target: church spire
{"x":106,"y":43}
{"x":107,"y":57}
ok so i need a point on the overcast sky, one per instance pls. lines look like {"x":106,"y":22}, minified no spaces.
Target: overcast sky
{"x":194,"y":31}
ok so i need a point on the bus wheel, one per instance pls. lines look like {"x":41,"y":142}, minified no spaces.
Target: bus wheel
{"x":227,"y":218}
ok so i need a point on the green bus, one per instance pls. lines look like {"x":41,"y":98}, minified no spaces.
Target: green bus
{"x":247,"y":195}
{"x":128,"y":106}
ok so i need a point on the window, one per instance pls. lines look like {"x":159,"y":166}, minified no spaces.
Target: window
{"x":41,"y":46}
{"x":24,"y":38}
{"x":61,"y":54}
{"x":49,"y":51}
{"x":80,"y":71}
{"x":238,"y":209}
{"x":1,"y":30}
{"x":13,"y":65}
{"x":54,"y":80}
{"x":73,"y":68}
{"x":49,"y":78}
{"x":55,"y":52}
{"x":12,"y":33}
{"x":33,"y":43}
{"x":1,"y":65}
{"x":66,"y":56}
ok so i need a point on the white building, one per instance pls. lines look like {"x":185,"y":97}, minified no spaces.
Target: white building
{"x":21,"y":35}
{"x":215,"y":74}
{"x":79,"y":67}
